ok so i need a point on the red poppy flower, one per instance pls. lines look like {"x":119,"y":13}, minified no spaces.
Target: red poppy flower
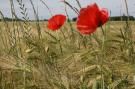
{"x":90,"y":18}
{"x":56,"y":22}
{"x":104,"y":16}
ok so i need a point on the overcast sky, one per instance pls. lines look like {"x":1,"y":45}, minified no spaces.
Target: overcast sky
{"x":115,"y":6}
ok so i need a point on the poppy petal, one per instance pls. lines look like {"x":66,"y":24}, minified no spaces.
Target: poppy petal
{"x":104,"y":16}
{"x":55,"y":22}
{"x":88,"y":20}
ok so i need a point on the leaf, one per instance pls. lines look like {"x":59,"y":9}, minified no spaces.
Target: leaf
{"x":116,"y":83}
{"x":96,"y":85}
{"x":92,"y":81}
{"x":83,"y":71}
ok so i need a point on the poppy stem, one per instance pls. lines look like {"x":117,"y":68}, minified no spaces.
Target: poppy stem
{"x":61,"y":48}
{"x":59,"y":43}
{"x":63,"y":35}
{"x":51,"y":35}
{"x":103,"y":31}
{"x":103,"y":57}
{"x":69,"y":22}
{"x":84,"y":42}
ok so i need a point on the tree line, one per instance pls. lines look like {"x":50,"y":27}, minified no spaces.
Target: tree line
{"x":114,"y":18}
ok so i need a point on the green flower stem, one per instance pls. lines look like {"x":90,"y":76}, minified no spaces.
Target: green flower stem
{"x":103,"y":57}
{"x":63,"y":35}
{"x":59,"y":42}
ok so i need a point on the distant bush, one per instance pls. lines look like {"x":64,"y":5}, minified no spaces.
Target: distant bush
{"x":11,"y":19}
{"x":74,"y":19}
{"x":121,"y":18}
{"x":115,"y":18}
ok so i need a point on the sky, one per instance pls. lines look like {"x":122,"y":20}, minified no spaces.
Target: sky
{"x":116,"y":7}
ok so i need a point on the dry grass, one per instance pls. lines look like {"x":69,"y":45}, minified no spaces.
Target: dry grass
{"x":33,"y":63}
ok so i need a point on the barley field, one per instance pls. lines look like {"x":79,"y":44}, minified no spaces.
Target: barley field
{"x":39,"y":63}
{"x":34,"y":57}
